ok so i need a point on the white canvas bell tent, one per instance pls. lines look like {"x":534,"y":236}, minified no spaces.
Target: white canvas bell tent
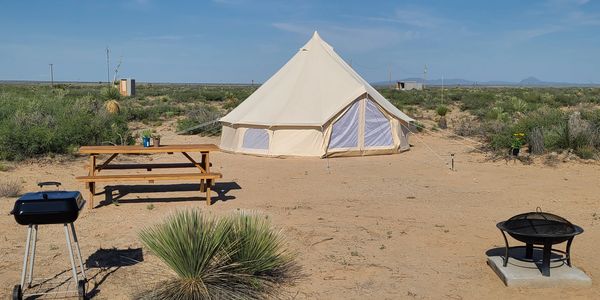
{"x":315,"y":105}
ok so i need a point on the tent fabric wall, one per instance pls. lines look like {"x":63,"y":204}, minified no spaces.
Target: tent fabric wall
{"x":315,"y":105}
{"x":344,"y":132}
{"x":378,"y":128}
{"x":256,"y":139}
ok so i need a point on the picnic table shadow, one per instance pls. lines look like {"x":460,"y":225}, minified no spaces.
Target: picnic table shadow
{"x":104,"y":262}
{"x":221,"y":188}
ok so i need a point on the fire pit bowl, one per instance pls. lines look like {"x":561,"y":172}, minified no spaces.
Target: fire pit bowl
{"x":539,"y":228}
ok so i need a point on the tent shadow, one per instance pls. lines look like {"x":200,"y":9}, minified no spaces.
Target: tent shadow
{"x":221,"y":188}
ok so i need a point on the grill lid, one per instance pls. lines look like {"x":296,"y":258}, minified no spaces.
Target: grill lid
{"x":48,"y":207}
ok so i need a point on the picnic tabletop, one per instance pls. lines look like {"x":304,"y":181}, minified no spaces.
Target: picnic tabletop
{"x":139,"y":149}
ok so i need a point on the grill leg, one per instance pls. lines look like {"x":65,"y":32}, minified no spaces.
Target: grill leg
{"x":70,"y":247}
{"x":78,"y":250}
{"x":30,"y":275}
{"x":26,"y":255}
{"x":529,"y":251}
{"x":546,"y":259}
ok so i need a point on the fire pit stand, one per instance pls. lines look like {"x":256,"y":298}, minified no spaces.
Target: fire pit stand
{"x":538,"y":228}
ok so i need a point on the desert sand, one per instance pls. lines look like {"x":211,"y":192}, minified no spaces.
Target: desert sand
{"x":398,"y":226}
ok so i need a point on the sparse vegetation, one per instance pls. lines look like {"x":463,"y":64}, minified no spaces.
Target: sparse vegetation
{"x":10,"y":188}
{"x":236,"y":257}
{"x":36,"y":120}
{"x":33,"y":118}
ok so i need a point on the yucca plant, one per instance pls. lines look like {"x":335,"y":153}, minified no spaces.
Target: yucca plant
{"x":237,"y":257}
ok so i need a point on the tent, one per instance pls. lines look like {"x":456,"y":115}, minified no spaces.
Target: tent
{"x":315,"y":105}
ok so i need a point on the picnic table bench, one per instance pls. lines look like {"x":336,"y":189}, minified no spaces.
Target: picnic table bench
{"x":203,"y":175}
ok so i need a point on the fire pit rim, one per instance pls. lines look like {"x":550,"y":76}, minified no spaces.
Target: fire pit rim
{"x":576,"y":229}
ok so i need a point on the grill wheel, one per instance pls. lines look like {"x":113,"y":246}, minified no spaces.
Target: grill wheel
{"x":17,"y":292}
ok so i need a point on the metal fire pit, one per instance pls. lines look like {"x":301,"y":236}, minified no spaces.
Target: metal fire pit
{"x":539,"y":228}
{"x":48,"y":207}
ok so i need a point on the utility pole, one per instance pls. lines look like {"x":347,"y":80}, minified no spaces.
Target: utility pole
{"x":390,"y":76}
{"x":107,"y":65}
{"x":424,"y":75}
{"x":442,"y":89}
{"x":51,"y":75}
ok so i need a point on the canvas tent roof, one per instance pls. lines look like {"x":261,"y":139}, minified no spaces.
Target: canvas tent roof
{"x":309,"y":90}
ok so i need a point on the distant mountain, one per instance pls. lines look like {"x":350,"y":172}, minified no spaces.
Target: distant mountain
{"x":530,"y":81}
{"x":527,"y":82}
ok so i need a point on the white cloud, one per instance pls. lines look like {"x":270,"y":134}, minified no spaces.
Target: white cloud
{"x":532,"y":33}
{"x":161,"y":38}
{"x":562,"y":3}
{"x":229,"y":2}
{"x":417,"y":18}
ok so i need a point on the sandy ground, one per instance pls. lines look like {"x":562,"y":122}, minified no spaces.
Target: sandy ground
{"x":384,"y":227}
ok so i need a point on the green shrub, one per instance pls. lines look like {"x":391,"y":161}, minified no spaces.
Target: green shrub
{"x":4,"y":167}
{"x":46,"y":122}
{"x":110,"y":93}
{"x":442,"y":110}
{"x":201,"y":115}
{"x":586,"y":152}
{"x":237,"y":257}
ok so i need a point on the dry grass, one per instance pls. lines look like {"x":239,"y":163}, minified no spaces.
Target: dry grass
{"x":10,"y":188}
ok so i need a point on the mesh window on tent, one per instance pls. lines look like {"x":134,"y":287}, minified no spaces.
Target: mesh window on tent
{"x":344,"y":133}
{"x":378,"y":130}
{"x":255,"y":138}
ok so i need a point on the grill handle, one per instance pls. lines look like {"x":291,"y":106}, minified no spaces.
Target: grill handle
{"x":45,"y":183}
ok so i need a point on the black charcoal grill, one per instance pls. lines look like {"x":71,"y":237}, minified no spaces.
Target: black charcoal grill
{"x":540,"y":228}
{"x":48,"y":207}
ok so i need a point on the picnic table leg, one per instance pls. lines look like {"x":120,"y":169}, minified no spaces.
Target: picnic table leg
{"x":203,"y":164}
{"x":92,"y":185}
{"x":92,"y":191}
{"x":208,"y":200}
{"x":206,"y":184}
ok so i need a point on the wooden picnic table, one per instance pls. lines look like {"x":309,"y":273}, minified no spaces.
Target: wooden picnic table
{"x":202,"y":168}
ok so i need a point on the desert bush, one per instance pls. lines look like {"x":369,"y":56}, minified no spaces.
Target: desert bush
{"x":110,"y":93}
{"x":442,"y":110}
{"x":518,"y":105}
{"x":477,"y":102}
{"x":46,"y":122}
{"x":467,"y":126}
{"x":4,"y":167}
{"x":497,"y":113}
{"x":586,"y":152}
{"x":10,"y":188}
{"x":201,"y":115}
{"x":237,"y":257}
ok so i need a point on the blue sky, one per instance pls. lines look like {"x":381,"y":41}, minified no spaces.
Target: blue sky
{"x":243,"y":40}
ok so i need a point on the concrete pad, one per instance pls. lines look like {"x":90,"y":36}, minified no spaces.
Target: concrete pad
{"x":527,"y":274}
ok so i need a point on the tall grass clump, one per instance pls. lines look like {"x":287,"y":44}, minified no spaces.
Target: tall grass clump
{"x":10,"y":188}
{"x":236,"y":257}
